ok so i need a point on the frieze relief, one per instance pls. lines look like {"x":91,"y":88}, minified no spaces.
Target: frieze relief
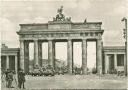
{"x":61,"y":35}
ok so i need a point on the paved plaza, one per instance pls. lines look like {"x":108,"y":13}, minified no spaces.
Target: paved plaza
{"x":75,"y":82}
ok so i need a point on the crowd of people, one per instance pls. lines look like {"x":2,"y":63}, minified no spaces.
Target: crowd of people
{"x":12,"y":80}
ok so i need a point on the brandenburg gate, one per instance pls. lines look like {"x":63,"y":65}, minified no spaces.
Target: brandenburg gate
{"x":64,"y":30}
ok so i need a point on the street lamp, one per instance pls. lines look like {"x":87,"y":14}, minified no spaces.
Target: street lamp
{"x":126,"y":45}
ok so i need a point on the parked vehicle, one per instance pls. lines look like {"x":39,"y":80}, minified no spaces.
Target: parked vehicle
{"x":48,"y":72}
{"x":77,"y":71}
{"x":43,"y":71}
{"x":59,"y":71}
{"x":36,"y":72}
{"x":94,"y":71}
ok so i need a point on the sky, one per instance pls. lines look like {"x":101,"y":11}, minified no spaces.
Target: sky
{"x":109,"y":12}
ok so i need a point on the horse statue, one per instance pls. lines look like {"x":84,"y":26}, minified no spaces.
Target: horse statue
{"x":60,"y":16}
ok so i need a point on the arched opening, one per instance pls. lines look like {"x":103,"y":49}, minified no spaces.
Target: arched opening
{"x":60,"y":57}
{"x":91,"y":56}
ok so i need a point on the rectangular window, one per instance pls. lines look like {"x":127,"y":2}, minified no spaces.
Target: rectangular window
{"x":12,"y":62}
{"x":120,"y":60}
{"x":3,"y":62}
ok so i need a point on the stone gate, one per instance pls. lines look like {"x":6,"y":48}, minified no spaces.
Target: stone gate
{"x":64,"y":30}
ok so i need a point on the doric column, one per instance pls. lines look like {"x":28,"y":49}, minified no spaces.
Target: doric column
{"x":84,"y":56}
{"x":70,"y":56}
{"x":99,"y":56}
{"x":106,"y":63}
{"x":54,"y":54}
{"x":115,"y":61}
{"x":7,"y":62}
{"x":40,"y":53}
{"x":22,"y":54}
{"x":125,"y":64}
{"x":36,"y":59}
{"x":26,"y":56}
{"x":50,"y":53}
{"x":16,"y":63}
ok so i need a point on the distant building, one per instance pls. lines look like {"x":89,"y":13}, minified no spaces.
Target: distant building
{"x":9,"y":58}
{"x":113,"y":58}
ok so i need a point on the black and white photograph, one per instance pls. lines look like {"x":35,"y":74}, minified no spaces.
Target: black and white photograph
{"x":64,"y":44}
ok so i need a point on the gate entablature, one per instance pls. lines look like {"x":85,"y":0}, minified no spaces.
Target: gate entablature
{"x":61,"y":29}
{"x":72,"y":34}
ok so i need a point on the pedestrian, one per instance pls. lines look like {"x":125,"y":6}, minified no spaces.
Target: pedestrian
{"x":14,"y":79}
{"x":10,"y":79}
{"x":21,"y":79}
{"x":6,"y":77}
{"x":3,"y":78}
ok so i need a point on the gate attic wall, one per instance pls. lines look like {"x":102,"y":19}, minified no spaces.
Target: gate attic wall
{"x":59,"y":25}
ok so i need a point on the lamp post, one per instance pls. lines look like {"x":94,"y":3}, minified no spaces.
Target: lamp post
{"x":126,"y":46}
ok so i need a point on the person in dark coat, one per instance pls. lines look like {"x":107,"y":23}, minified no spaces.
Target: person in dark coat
{"x":6,"y":76}
{"x":21,"y":79}
{"x":10,"y":79}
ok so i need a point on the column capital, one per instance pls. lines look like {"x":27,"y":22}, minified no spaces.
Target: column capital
{"x":7,"y":55}
{"x":21,"y":40}
{"x":27,"y":41}
{"x":105,"y":54}
{"x":69,"y":39}
{"x":15,"y":55}
{"x":35,"y":39}
{"x":50,"y":39}
{"x":99,"y":39}
{"x":84,"y":38}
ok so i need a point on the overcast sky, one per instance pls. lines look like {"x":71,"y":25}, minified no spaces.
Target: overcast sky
{"x":109,"y":12}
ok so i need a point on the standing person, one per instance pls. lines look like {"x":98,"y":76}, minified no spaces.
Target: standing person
{"x":14,"y":79}
{"x":6,"y":77}
{"x":10,"y":79}
{"x":21,"y":79}
{"x":3,"y":78}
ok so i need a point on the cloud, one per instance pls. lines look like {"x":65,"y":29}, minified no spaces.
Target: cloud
{"x":107,"y":12}
{"x":113,"y":37}
{"x":120,"y":10}
{"x":40,"y":20}
{"x":34,"y":20}
{"x":79,"y":4}
{"x":27,"y":20}
{"x":8,"y":32}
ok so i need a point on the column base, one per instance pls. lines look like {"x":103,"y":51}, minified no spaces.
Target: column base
{"x":84,"y":72}
{"x":70,"y":72}
{"x":99,"y":70}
